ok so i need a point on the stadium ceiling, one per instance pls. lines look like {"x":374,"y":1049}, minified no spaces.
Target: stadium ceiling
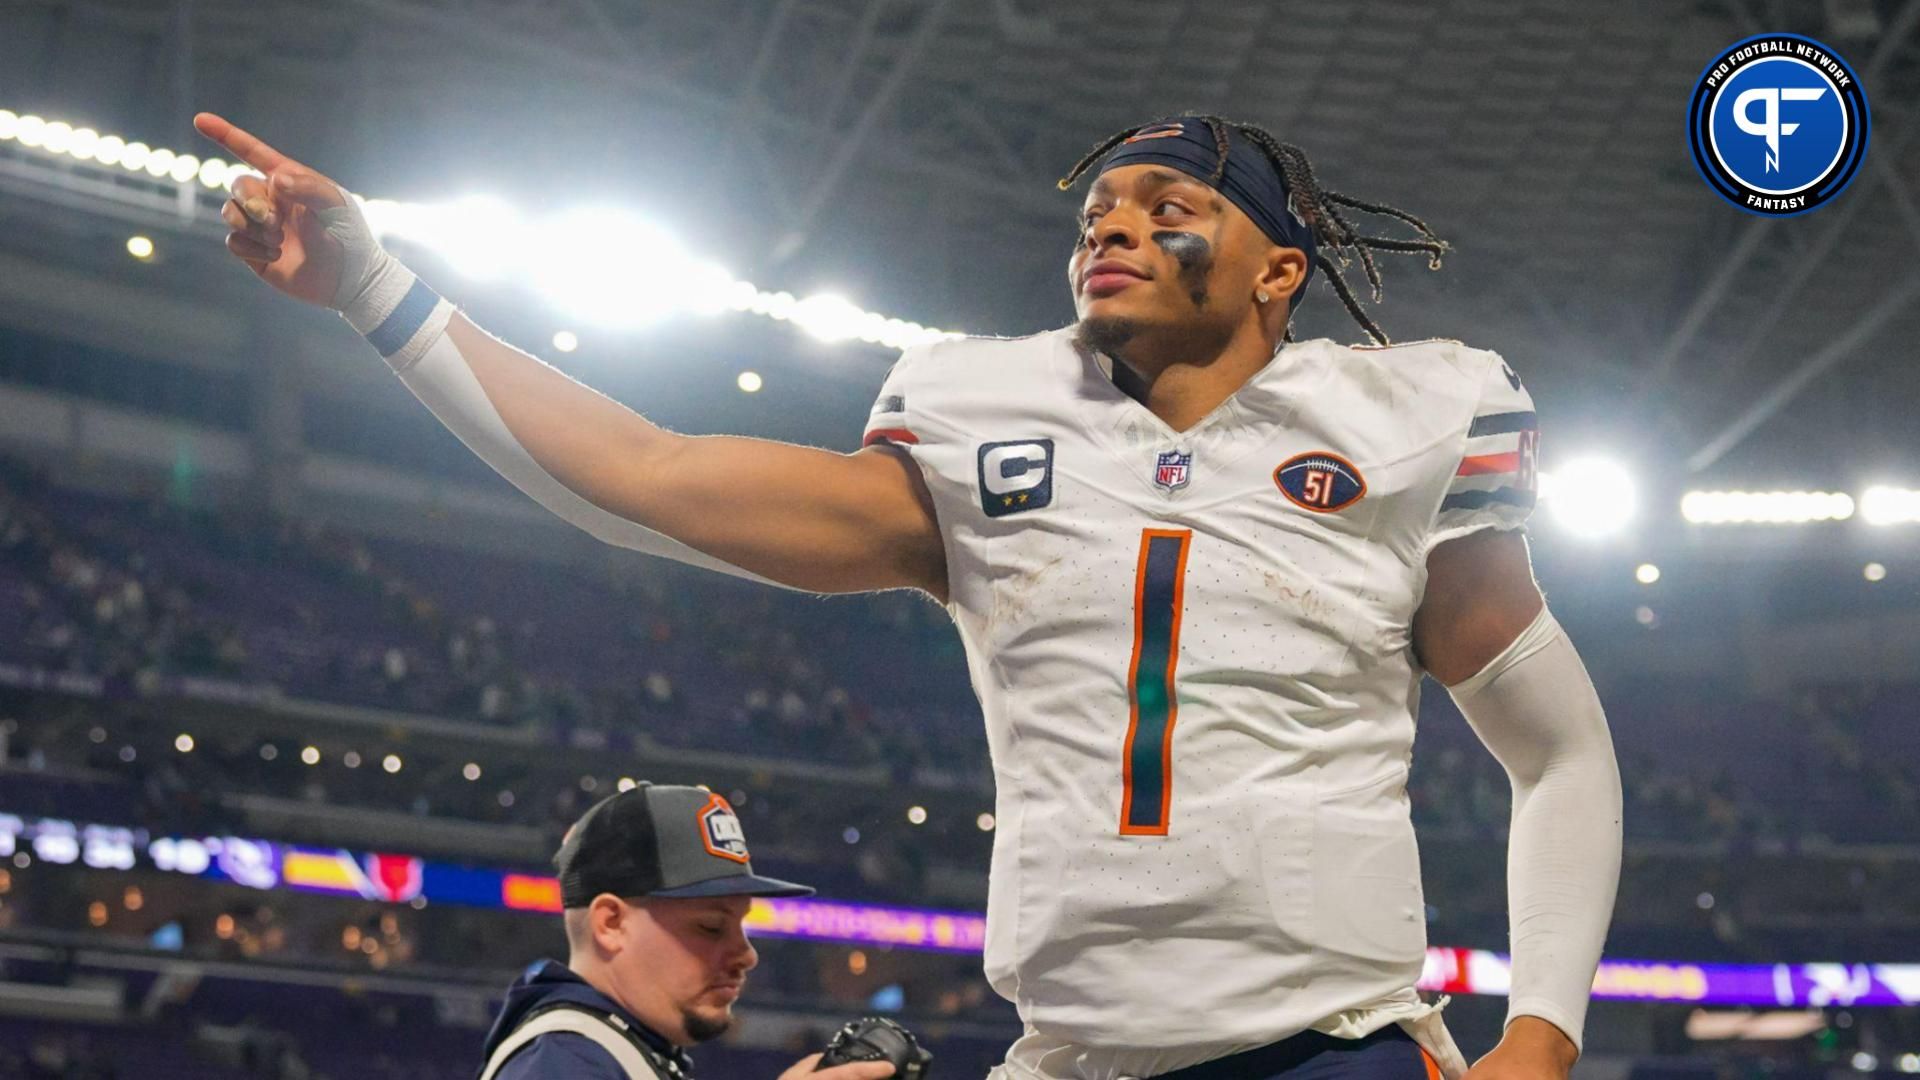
{"x":912,"y":146}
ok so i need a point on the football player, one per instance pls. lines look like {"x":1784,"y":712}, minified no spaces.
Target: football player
{"x":1199,"y":569}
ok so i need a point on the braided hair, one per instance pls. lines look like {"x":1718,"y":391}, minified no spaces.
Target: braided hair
{"x":1318,"y":206}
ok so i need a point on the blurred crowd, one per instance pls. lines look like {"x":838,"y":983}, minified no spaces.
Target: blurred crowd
{"x":136,"y":599}
{"x":1804,"y":773}
{"x":136,"y":592}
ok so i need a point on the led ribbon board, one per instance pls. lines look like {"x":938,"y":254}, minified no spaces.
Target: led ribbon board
{"x":265,"y":864}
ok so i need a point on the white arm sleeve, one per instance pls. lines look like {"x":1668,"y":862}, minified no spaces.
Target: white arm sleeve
{"x":1536,"y":710}
{"x":443,"y":381}
{"x":407,"y":323}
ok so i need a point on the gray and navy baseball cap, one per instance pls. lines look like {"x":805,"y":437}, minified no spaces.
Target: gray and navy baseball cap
{"x":660,"y":840}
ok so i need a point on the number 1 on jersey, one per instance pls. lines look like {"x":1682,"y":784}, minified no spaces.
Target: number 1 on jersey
{"x":1146,"y":764}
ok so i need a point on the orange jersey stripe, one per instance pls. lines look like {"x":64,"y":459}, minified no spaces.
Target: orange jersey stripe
{"x":1484,"y":464}
{"x":890,"y":434}
{"x":1147,"y":536}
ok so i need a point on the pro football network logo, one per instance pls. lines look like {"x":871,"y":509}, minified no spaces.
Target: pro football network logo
{"x":1172,"y":470}
{"x":1778,"y":124}
{"x":720,"y":830}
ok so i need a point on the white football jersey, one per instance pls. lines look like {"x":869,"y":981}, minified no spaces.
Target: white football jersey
{"x":1193,"y":651}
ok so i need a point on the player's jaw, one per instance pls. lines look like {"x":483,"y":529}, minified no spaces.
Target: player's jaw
{"x":1129,"y":295}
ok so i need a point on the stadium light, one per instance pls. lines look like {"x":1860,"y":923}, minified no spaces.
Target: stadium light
{"x":1590,"y":497}
{"x":749,"y":381}
{"x":1873,"y":571}
{"x":56,"y":137}
{"x":27,"y":129}
{"x":183,"y":742}
{"x":829,"y":317}
{"x":140,"y":247}
{"x":1881,"y":505}
{"x":480,"y":236}
{"x":602,"y":265}
{"x":1646,"y":573}
{"x":565,"y":340}
{"x":1765,"y":507}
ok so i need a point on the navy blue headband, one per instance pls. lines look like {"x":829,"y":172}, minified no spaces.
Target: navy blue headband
{"x":1250,"y":182}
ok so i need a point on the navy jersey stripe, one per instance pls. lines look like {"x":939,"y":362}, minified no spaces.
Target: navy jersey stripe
{"x":1146,"y":786}
{"x":1502,"y":423}
{"x":1476,"y":500}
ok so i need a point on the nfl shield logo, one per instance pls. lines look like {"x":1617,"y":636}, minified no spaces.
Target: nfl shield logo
{"x":1170,"y":471}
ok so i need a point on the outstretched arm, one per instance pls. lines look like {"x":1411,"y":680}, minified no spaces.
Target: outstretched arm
{"x":1484,"y":631}
{"x":803,"y":517}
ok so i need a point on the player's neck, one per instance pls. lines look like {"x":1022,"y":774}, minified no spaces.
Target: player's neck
{"x":1181,"y":388}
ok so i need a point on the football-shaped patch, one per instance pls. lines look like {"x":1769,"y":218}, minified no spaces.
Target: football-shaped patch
{"x":1320,"y":481}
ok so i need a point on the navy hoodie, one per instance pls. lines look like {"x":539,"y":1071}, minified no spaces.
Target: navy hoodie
{"x":562,"y":1055}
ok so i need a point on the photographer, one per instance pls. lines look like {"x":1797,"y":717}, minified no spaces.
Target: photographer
{"x":655,"y":884}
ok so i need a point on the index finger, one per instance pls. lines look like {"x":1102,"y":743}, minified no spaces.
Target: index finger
{"x":239,"y":143}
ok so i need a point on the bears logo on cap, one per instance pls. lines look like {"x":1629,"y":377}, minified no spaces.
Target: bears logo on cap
{"x":720,"y":830}
{"x":1158,"y":131}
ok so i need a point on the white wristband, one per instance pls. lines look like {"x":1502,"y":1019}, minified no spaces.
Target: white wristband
{"x":391,"y":307}
{"x":379,"y":291}
{"x":399,"y":315}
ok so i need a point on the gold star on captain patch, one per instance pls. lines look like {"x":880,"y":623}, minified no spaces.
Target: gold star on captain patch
{"x":1023,"y":496}
{"x":1006,"y":500}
